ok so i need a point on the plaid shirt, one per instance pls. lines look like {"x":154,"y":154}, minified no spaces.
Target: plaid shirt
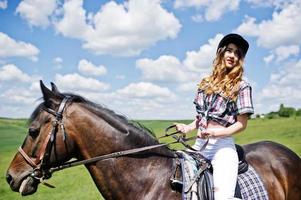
{"x":223,"y":110}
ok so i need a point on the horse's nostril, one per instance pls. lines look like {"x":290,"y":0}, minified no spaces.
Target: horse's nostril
{"x":9,"y":178}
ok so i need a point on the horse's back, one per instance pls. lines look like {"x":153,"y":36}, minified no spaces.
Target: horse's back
{"x":279,"y":168}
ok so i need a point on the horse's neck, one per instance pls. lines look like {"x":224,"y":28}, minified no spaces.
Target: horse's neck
{"x":123,"y":177}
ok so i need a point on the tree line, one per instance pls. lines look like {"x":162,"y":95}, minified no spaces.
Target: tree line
{"x":284,"y":112}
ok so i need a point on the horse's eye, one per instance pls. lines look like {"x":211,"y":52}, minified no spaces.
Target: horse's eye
{"x":33,"y":132}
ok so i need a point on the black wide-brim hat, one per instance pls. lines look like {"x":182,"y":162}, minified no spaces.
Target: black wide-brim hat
{"x":236,"y":39}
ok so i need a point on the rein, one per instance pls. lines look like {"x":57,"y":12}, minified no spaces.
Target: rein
{"x":182,"y":139}
{"x":40,"y":165}
{"x":107,"y":156}
{"x":179,"y":139}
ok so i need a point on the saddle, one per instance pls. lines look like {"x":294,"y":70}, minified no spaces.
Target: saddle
{"x":203,"y":176}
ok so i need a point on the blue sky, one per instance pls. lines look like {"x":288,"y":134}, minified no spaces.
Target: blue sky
{"x":144,"y":58}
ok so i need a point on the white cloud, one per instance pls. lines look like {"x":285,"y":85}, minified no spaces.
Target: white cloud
{"x":197,"y":18}
{"x":214,"y":9}
{"x":145,"y":90}
{"x":18,"y":100}
{"x":57,"y":61}
{"x":201,"y":61}
{"x":73,"y":24}
{"x":13,"y":73}
{"x":3,"y":4}
{"x":137,"y":108}
{"x":146,"y":100}
{"x":88,"y":68}
{"x":75,"y":82}
{"x":168,"y":68}
{"x":284,"y":29}
{"x":147,"y":106}
{"x":282,"y":53}
{"x":270,"y":3}
{"x":10,"y":47}
{"x":268,"y":59}
{"x":130,"y":33}
{"x":189,"y":3}
{"x":142,"y":100}
{"x":248,"y":27}
{"x":283,"y":87}
{"x":17,"y":95}
{"x":188,"y":87}
{"x":36,"y":12}
{"x":165,"y":68}
{"x":35,"y":86}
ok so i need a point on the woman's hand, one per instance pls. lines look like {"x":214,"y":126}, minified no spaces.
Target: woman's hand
{"x":183,"y":128}
{"x":205,"y":133}
{"x":212,"y":133}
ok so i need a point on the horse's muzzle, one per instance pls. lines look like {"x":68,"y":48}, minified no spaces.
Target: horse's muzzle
{"x":26,"y":186}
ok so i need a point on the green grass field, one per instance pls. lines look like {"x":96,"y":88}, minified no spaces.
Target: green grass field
{"x":76,"y":183}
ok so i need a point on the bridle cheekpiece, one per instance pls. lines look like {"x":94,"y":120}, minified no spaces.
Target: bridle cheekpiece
{"x":41,"y":164}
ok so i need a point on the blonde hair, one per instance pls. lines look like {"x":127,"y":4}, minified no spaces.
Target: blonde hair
{"x":223,"y":81}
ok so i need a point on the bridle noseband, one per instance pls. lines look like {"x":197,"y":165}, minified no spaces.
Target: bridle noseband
{"x":41,"y":163}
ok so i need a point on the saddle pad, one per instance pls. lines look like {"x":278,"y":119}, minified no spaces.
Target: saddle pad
{"x":189,"y":169}
{"x":251,"y":186}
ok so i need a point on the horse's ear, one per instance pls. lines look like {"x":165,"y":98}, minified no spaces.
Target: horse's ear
{"x":51,"y":99}
{"x":54,"y":88}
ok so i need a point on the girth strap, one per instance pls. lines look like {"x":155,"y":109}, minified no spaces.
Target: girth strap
{"x":203,"y":167}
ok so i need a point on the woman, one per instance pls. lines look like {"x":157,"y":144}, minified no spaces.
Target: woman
{"x":223,"y":103}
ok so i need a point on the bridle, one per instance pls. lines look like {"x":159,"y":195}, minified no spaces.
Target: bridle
{"x":41,"y":164}
{"x":42,"y":169}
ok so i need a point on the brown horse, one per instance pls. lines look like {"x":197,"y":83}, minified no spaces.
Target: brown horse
{"x":67,"y":126}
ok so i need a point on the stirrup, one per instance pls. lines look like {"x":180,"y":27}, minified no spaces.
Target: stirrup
{"x":175,"y":181}
{"x":176,"y":184}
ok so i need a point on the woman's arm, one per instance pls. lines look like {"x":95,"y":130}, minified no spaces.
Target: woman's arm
{"x":240,"y":125}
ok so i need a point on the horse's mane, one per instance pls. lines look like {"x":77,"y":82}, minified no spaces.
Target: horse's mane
{"x":140,"y":135}
{"x":110,"y":116}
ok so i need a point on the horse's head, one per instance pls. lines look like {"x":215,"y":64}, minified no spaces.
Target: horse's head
{"x":46,"y":144}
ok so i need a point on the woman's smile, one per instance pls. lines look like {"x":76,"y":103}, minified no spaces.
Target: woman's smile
{"x":230,"y":61}
{"x":231,"y":56}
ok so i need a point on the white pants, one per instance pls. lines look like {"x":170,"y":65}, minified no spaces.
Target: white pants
{"x":222,"y":154}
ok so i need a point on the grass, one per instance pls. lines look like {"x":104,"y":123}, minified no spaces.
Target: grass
{"x":286,"y":131}
{"x":76,"y":183}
